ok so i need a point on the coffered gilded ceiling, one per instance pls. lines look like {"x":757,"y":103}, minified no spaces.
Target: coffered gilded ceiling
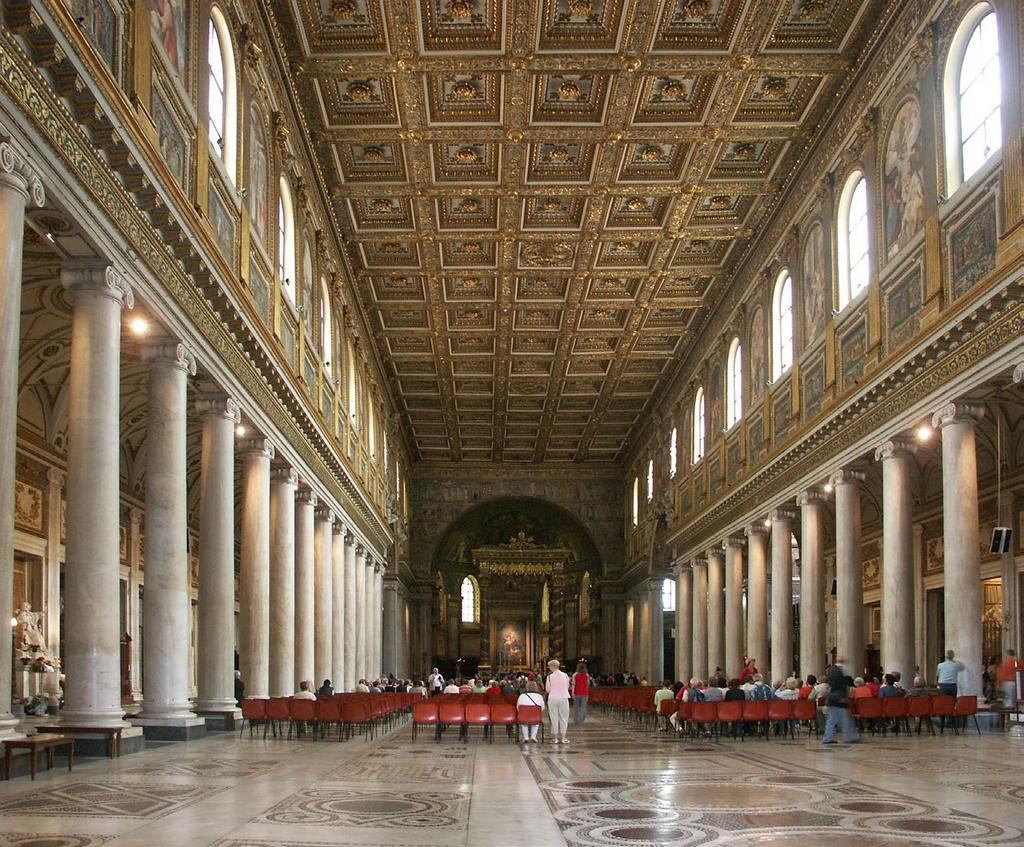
{"x":539,"y":197}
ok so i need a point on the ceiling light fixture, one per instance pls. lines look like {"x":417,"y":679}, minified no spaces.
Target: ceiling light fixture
{"x":240,"y":431}
{"x":138,"y":325}
{"x":924,"y":433}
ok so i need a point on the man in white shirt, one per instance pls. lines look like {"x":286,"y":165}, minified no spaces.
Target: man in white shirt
{"x":304,"y":692}
{"x":435,"y":682}
{"x":451,"y":688}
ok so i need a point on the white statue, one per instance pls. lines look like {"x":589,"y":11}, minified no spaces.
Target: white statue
{"x":29,"y":633}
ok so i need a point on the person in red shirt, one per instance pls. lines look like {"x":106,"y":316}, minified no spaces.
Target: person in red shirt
{"x":1006,"y":676}
{"x":580,"y":690}
{"x":749,"y":669}
{"x":808,"y":686}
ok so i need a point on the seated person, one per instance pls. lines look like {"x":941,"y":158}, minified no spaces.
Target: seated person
{"x":920,"y":689}
{"x":661,"y":695}
{"x":304,"y":692}
{"x":325,"y":690}
{"x":860,"y":689}
{"x":790,"y":689}
{"x":452,"y":687}
{"x":760,"y":690}
{"x":874,"y":685}
{"x":808,"y":686}
{"x":889,"y":689}
{"x":734,"y":692}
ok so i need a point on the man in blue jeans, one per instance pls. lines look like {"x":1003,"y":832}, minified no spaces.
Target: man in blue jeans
{"x":947,"y":674}
{"x":838,"y":702}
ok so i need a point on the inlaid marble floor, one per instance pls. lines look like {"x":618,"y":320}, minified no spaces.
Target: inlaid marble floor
{"x":612,"y":786}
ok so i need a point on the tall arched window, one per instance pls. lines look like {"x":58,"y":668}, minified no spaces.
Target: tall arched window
{"x":972,"y":93}
{"x":584,"y":613}
{"x":698,"y":426}
{"x":635,"y":508}
{"x":650,"y":480}
{"x":782,"y":325}
{"x":734,"y":385}
{"x":673,"y":452}
{"x":853,"y":242}
{"x":371,"y":429}
{"x":222,"y":106}
{"x":286,"y":240}
{"x":668,"y":595}
{"x":326,"y":329}
{"x":353,"y":402}
{"x":470,"y":600}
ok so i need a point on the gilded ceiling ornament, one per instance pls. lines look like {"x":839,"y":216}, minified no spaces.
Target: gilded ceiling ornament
{"x":344,"y":10}
{"x":469,"y":206}
{"x":673,"y":90}
{"x":547,"y":253}
{"x":559,"y":155}
{"x":700,"y":244}
{"x":637,"y":204}
{"x":580,"y":8}
{"x":652,"y":153}
{"x":470,"y":282}
{"x":695,"y":9}
{"x":553,"y":204}
{"x":358,"y":91}
{"x":461,"y":9}
{"x":467,"y":156}
{"x":569,"y":90}
{"x":379,"y":204}
{"x":744,"y":151}
{"x":720,"y":201}
{"x":813,"y":10}
{"x":373,"y":154}
{"x":774,"y":87}
{"x":465,"y":90}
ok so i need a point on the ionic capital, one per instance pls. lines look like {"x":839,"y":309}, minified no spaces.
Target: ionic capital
{"x":219,"y":406}
{"x":733,"y":541}
{"x":169,"y":352}
{"x":350,"y":539}
{"x":306,"y":496}
{"x":756,"y":528}
{"x":958,"y":412}
{"x":1018,"y":374}
{"x":715,"y":552}
{"x":360,"y":550}
{"x":378,"y":567}
{"x":287,"y":476}
{"x":258,"y":446}
{"x":845,"y":476}
{"x":339,"y":527}
{"x":893,"y":449}
{"x":782,"y":515}
{"x":16,"y":172}
{"x":99,"y":277}
{"x":55,"y":476}
{"x":700,"y":562}
{"x":811,"y":497}
{"x":325,"y":514}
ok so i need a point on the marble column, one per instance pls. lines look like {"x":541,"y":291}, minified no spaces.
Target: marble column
{"x":216,"y":684}
{"x":362,"y":667}
{"x":92,"y":641}
{"x":390,"y":661}
{"x":656,"y":633}
{"x":733,"y":606}
{"x":283,"y":483}
{"x":716,"y":609}
{"x":168,"y":604}
{"x":254,"y":567}
{"x":351,"y":675}
{"x":700,"y":619}
{"x":782,"y":595}
{"x":962,"y":554}
{"x":19,"y":186}
{"x":812,"y":583}
{"x":305,"y":606}
{"x":374,"y":579}
{"x":757,"y":595}
{"x":849,"y":575}
{"x":897,"y":458}
{"x":338,"y":676}
{"x":684,"y":623}
{"x":323,"y":635}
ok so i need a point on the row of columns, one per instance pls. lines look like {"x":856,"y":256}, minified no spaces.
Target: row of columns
{"x":710,"y":589}
{"x":310,"y":595}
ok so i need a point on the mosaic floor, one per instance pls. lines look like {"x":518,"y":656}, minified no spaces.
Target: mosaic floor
{"x":612,"y":786}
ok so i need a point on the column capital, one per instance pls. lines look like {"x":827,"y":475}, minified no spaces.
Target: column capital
{"x":258,"y":446}
{"x":286,"y":475}
{"x":99,"y":276}
{"x":846,"y":476}
{"x":55,"y":476}
{"x":733,"y":541}
{"x":168,"y":351}
{"x":350,"y":538}
{"x":17,"y":172}
{"x":219,"y":406}
{"x":325,"y":514}
{"x":714,"y":550}
{"x":894,"y":448}
{"x":360,"y":550}
{"x":811,"y":497}
{"x":306,"y":496}
{"x":378,"y":567}
{"x":781,"y":514}
{"x":339,"y":527}
{"x":700,"y":562}
{"x":958,"y":412}
{"x":756,"y":528}
{"x":1018,"y":373}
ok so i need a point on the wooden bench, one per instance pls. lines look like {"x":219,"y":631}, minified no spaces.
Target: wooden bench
{"x":111,"y":733}
{"x":35,"y":743}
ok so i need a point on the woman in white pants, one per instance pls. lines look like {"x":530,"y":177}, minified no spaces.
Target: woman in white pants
{"x":557,"y":686}
{"x":530,"y":697}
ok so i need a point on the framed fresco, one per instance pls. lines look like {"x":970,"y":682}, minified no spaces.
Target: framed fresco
{"x":174,"y":145}
{"x":815,"y":286}
{"x":714,"y":463}
{"x":812,"y":386}
{"x":169,"y":26}
{"x":972,"y":248}
{"x":99,"y":23}
{"x":782,"y":412}
{"x":903,"y":178}
{"x":260,"y":291}
{"x":511,"y":642}
{"x":853,"y":348}
{"x":755,"y":435}
{"x":734,"y":459}
{"x":758,"y":353}
{"x":902,"y":308}
{"x":222,"y":221}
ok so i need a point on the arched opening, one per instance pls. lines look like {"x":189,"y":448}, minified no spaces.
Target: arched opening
{"x":698,"y":425}
{"x":222,"y":103}
{"x":782,"y":325}
{"x":286,"y":240}
{"x":734,"y":385}
{"x":853,"y":239}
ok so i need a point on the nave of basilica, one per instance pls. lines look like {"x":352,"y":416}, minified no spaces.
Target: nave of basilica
{"x":350,"y":344}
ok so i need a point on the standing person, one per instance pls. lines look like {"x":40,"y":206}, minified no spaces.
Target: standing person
{"x":557,"y":686}
{"x":239,"y":688}
{"x":580,"y":693}
{"x":838,"y":701}
{"x":531,"y":697}
{"x":947,"y":674}
{"x":435,"y":682}
{"x":1006,"y":675}
{"x":749,"y":669}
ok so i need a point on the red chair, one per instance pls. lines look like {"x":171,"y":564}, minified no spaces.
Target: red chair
{"x":704,"y":715}
{"x":300,"y":713}
{"x":806,"y":710}
{"x":531,"y":716}
{"x":328,"y":714}
{"x":894,"y":709}
{"x":867,"y":709}
{"x":967,"y":707}
{"x":503,"y":714}
{"x":781,"y":711}
{"x":277,"y":713}
{"x":666,"y":708}
{"x":478,"y":714}
{"x":424,"y":713}
{"x":730,"y":712}
{"x":355,"y":713}
{"x":451,"y":714}
{"x":944,"y":706}
{"x":684,"y":714}
{"x":756,"y":712}
{"x":920,"y":707}
{"x":254,"y":710}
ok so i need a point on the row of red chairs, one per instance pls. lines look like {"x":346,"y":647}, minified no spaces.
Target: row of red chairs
{"x":880,"y":710}
{"x":442,"y":714}
{"x":345,"y":714}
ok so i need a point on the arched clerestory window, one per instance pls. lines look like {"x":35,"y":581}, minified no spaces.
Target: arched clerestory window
{"x":972,"y":95}
{"x":782,"y":325}
{"x":673,"y":452}
{"x":698,"y":425}
{"x":668,"y":595}
{"x":650,"y":480}
{"x":326,"y":329}
{"x":853,"y":239}
{"x":286,"y":240}
{"x":734,"y":385}
{"x":222,"y":102}
{"x":470,"y":600}
{"x":635,"y":505}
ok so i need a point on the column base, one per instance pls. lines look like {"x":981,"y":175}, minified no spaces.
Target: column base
{"x":97,"y":743}
{"x":9,"y":727}
{"x":171,"y":729}
{"x":220,"y":719}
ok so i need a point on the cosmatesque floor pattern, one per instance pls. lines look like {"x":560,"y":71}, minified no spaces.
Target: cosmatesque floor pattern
{"x":613,"y":786}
